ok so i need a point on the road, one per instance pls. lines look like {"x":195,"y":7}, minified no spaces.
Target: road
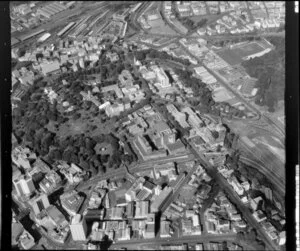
{"x":236,"y":200}
{"x":269,"y":166}
{"x":117,"y":173}
{"x":133,"y":18}
{"x":240,"y":97}
{"x":212,"y":171}
{"x":168,"y":21}
{"x":250,"y":106}
{"x":178,"y":190}
{"x":226,"y":84}
{"x":180,"y":240}
{"x":232,"y":36}
{"x":141,"y":166}
{"x":279,"y":182}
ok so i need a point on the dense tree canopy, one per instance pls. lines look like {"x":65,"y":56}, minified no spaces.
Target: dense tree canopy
{"x":269,"y":69}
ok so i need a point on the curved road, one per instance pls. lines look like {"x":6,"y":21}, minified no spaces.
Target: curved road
{"x":273,"y":178}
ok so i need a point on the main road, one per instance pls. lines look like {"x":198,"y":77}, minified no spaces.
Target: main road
{"x":228,"y":86}
{"x":178,"y":240}
{"x":236,"y":200}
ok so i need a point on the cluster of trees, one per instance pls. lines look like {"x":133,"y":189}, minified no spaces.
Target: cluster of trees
{"x":33,"y":114}
{"x":251,"y":239}
{"x":232,"y":160}
{"x":173,"y":122}
{"x":233,"y":40}
{"x":230,"y":138}
{"x":190,"y":24}
{"x":204,"y":101}
{"x":270,"y":72}
{"x":187,"y":22}
{"x":152,"y":54}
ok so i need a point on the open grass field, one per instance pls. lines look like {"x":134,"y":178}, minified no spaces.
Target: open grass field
{"x":235,"y":55}
{"x":187,"y":195}
{"x":159,"y":26}
{"x":81,"y":125}
{"x":180,"y":26}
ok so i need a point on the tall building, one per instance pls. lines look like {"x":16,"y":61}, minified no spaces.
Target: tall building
{"x":160,"y":199}
{"x":78,"y":228}
{"x":24,"y":185}
{"x":39,"y":203}
{"x":141,"y":209}
{"x":71,"y":202}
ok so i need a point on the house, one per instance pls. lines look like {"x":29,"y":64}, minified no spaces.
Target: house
{"x":259,"y":216}
{"x":50,"y":67}
{"x":255,"y":202}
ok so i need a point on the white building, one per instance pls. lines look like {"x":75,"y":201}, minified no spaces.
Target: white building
{"x":24,"y":185}
{"x":78,"y":228}
{"x":141,"y":209}
{"x":282,"y":238}
{"x":39,"y":203}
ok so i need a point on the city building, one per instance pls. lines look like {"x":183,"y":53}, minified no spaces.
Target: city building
{"x":50,"y":67}
{"x":39,"y":203}
{"x":238,"y":188}
{"x":50,"y":182}
{"x":71,"y":202}
{"x":16,"y":231}
{"x":254,"y":203}
{"x":145,"y":150}
{"x":23,"y":157}
{"x":150,"y":227}
{"x":24,"y":185}
{"x":259,"y":216}
{"x":114,"y":109}
{"x":141,"y":209}
{"x":165,"y":229}
{"x":78,"y":228}
{"x":179,"y":116}
{"x":26,"y":240}
{"x":282,"y":238}
{"x":160,"y":199}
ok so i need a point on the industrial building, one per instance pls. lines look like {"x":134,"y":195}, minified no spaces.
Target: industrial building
{"x":51,"y":9}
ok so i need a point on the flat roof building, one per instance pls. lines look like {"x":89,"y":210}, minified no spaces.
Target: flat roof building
{"x":71,"y":202}
{"x":160,"y":199}
{"x":49,"y":67}
{"x":78,"y":228}
{"x":39,"y":203}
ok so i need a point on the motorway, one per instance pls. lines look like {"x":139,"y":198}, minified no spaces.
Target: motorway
{"x":180,"y":240}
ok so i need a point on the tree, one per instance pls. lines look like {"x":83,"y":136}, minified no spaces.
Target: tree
{"x":240,"y":236}
{"x":67,"y":156}
{"x":76,"y":116}
{"x":215,"y":134}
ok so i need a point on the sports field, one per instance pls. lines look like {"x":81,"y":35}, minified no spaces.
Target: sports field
{"x":235,"y":55}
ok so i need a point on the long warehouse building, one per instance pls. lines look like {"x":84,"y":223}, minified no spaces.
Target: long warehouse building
{"x":65,"y":29}
{"x":51,"y":9}
{"x":25,"y":37}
